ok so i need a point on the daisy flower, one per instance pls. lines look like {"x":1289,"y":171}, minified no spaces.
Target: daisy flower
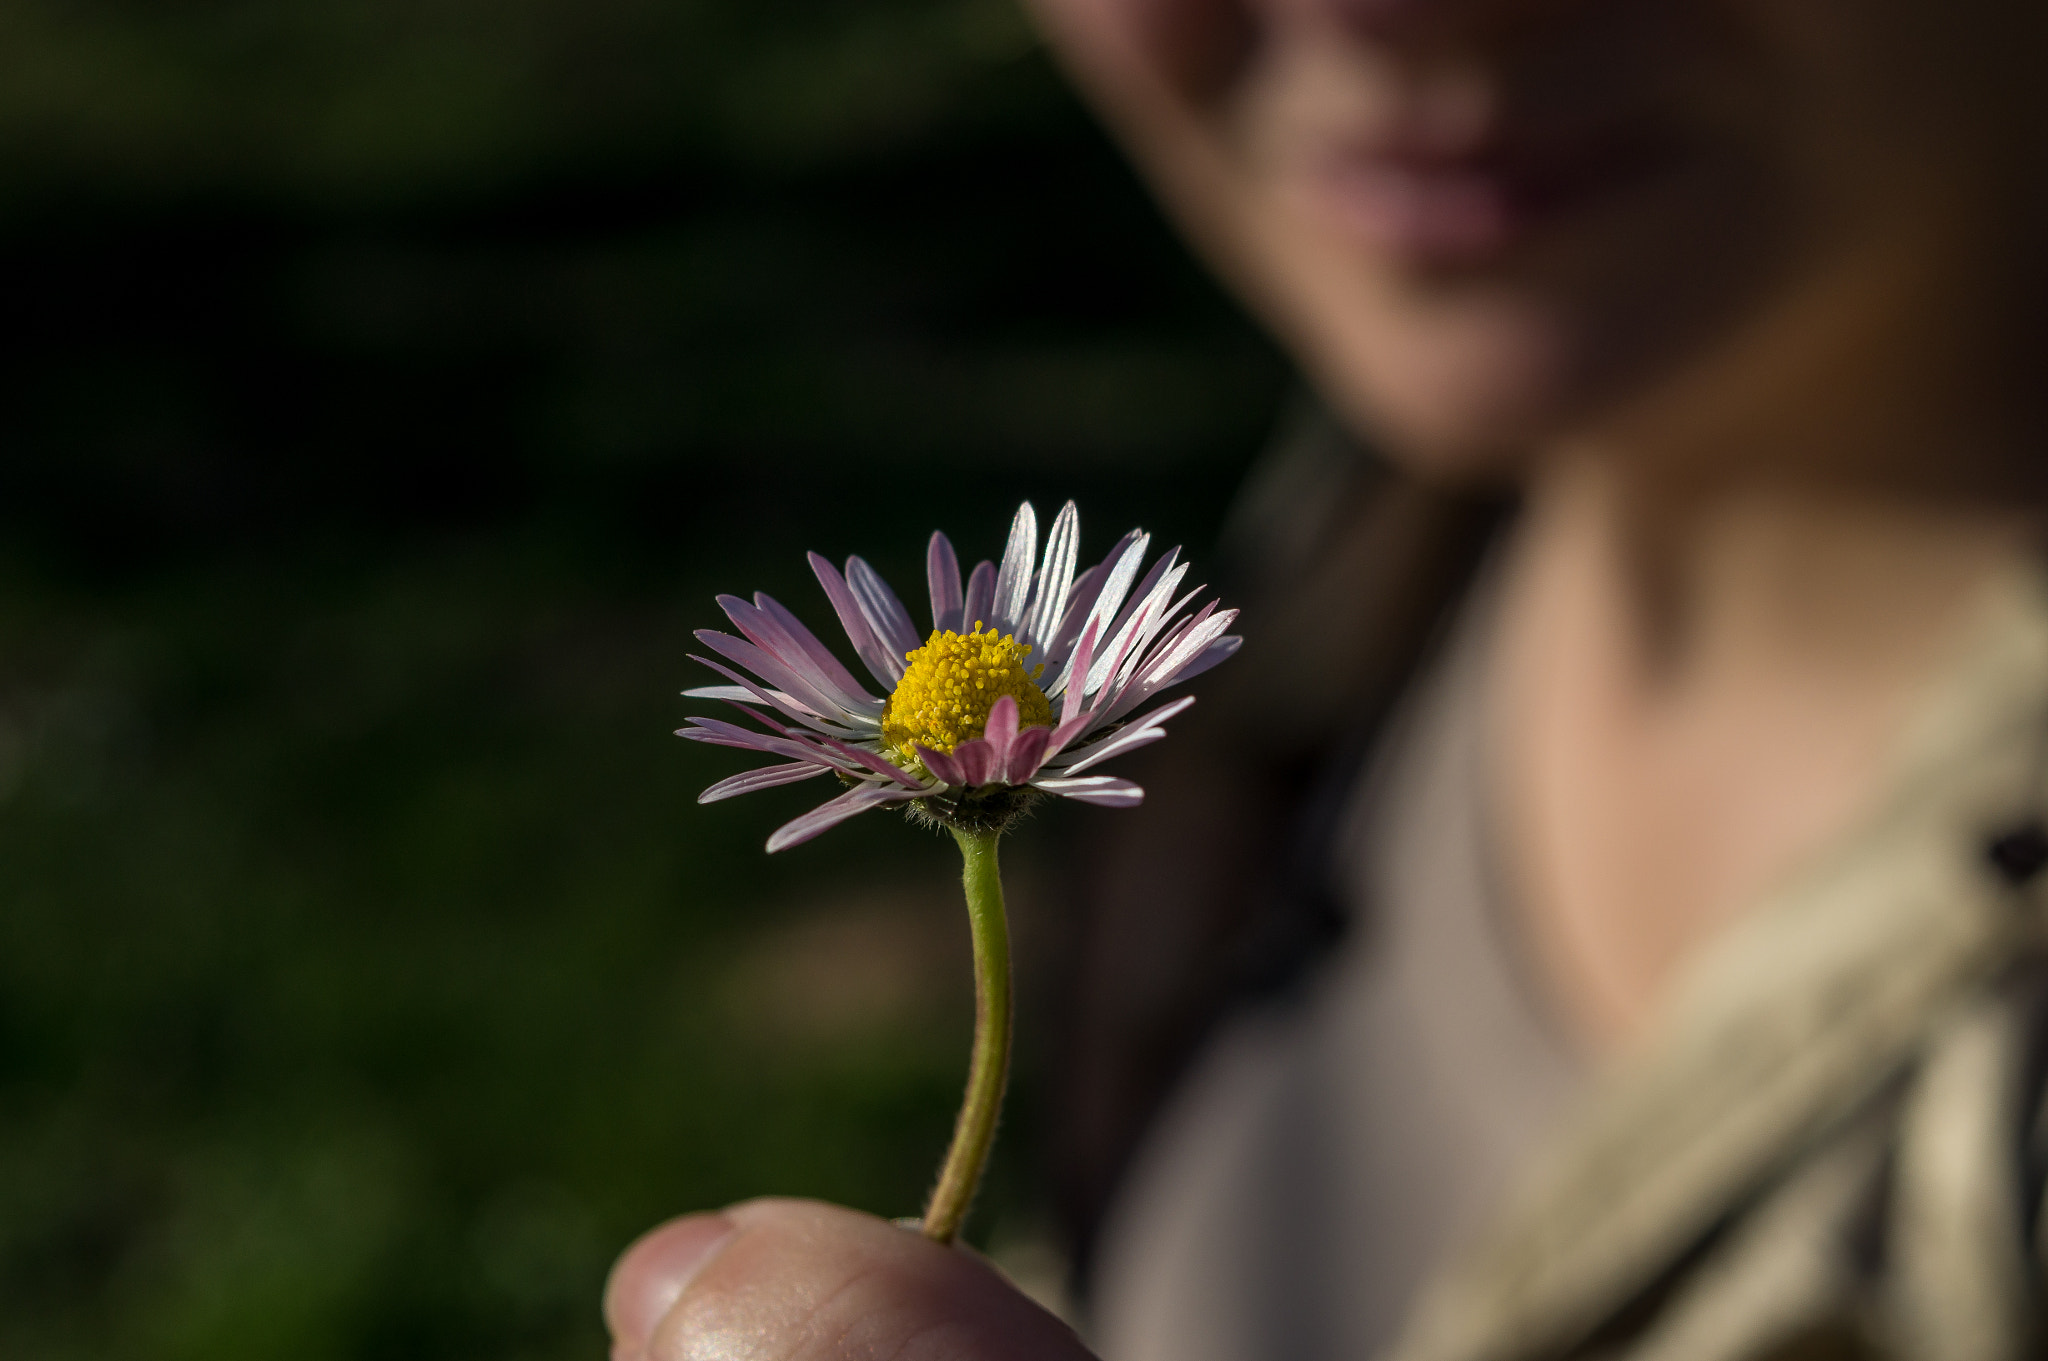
{"x":1032,"y":675}
{"x":1029,"y":678}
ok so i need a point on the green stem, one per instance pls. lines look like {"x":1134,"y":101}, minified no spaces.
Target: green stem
{"x":975,"y":1131}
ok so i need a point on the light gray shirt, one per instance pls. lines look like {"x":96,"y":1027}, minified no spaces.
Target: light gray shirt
{"x":1329,"y":1153}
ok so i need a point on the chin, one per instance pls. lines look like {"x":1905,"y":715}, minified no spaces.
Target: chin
{"x":1449,"y":448}
{"x":1454,"y":404}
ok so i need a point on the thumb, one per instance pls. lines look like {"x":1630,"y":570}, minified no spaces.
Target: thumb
{"x":791,"y":1280}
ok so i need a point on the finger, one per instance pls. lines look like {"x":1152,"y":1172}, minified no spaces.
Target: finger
{"x":804,"y":1281}
{"x":650,"y":1274}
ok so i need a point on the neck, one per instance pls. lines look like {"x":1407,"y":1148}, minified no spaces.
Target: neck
{"x":1695,"y":689}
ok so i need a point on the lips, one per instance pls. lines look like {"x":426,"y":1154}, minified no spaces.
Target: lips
{"x":1431,"y":208}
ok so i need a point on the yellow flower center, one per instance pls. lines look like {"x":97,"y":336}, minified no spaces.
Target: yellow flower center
{"x":951,"y":684}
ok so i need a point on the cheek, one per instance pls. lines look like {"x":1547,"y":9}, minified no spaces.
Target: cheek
{"x":1475,"y":372}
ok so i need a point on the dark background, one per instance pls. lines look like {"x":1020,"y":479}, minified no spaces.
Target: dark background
{"x":392,"y":383}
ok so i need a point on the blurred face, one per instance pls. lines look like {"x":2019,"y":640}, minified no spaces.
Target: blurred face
{"x":1487,"y":226}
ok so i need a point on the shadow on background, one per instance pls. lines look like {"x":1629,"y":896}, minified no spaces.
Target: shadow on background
{"x":393,"y":384}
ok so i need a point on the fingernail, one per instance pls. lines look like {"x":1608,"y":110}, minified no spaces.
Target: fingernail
{"x":653,"y":1273}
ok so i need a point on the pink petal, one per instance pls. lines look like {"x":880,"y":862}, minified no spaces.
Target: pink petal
{"x":1172,"y":668}
{"x":886,"y":666}
{"x":767,"y":777}
{"x":1095,"y":682}
{"x":999,"y":732}
{"x":803,"y":655}
{"x":1222,"y":650}
{"x":1204,"y":631}
{"x":1144,"y":662}
{"x":774,"y":699}
{"x":1068,"y":730}
{"x":1084,"y":653}
{"x":1122,"y":569}
{"x":1027,"y":754}
{"x":976,"y":761}
{"x":1147,"y":588}
{"x":828,"y":665}
{"x":1148,"y":636}
{"x":771,"y":670}
{"x":721,"y":734}
{"x":942,"y":575}
{"x":883,"y":611}
{"x":828,"y":815}
{"x":981,"y":592}
{"x":1137,"y":626}
{"x":944,"y":768}
{"x":1074,"y":619}
{"x":861,"y":755}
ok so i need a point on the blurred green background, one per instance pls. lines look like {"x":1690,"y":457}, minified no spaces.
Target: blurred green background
{"x":393,"y":385}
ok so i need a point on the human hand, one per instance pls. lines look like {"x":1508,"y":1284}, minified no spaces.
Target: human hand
{"x":798,"y":1280}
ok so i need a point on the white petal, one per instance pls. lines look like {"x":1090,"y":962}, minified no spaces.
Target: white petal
{"x":1140,"y":622}
{"x":1174,"y":665}
{"x":737,"y":694}
{"x":886,"y":666}
{"x":883,"y":611}
{"x":1106,"y":790}
{"x":1222,"y":650}
{"x":1055,"y":577}
{"x":1072,"y":623}
{"x":1139,"y":732}
{"x":842,"y":726}
{"x":1121,"y":575}
{"x":1013,"y":577}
